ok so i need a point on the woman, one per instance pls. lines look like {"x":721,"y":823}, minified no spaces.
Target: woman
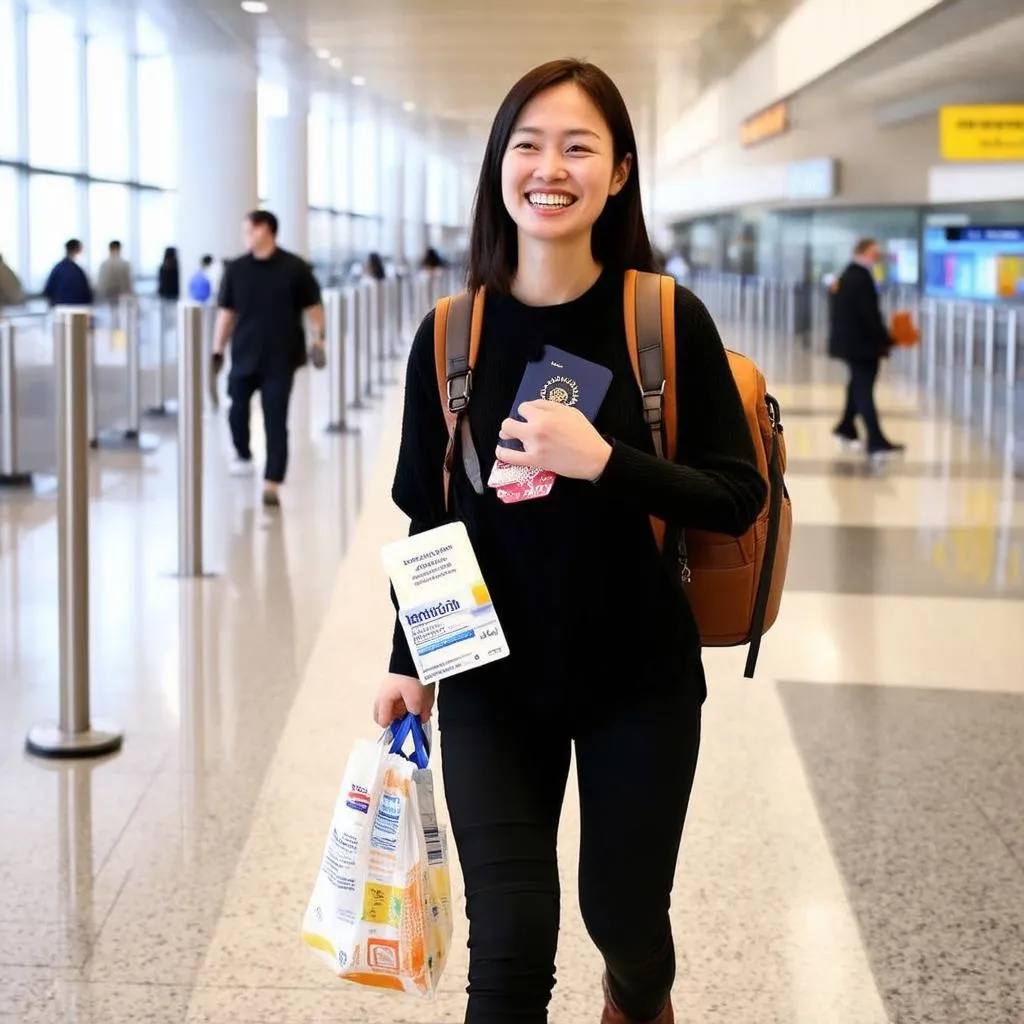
{"x":168,"y":284}
{"x":605,"y":652}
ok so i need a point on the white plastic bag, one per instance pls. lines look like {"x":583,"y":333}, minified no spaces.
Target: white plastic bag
{"x":380,"y":912}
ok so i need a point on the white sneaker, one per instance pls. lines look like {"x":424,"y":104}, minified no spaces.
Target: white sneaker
{"x":242,"y":467}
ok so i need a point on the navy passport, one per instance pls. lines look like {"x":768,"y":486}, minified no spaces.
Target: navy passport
{"x":559,"y":376}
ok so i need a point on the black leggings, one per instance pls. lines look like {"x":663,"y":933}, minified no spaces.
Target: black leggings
{"x":505,"y":783}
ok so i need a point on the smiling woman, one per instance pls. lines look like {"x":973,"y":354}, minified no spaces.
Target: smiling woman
{"x":562,"y":139}
{"x":604,"y":650}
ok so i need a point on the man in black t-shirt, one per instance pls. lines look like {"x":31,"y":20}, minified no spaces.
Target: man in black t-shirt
{"x":263,"y":298}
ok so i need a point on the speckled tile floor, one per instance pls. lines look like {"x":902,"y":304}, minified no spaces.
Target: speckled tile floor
{"x":853,"y":853}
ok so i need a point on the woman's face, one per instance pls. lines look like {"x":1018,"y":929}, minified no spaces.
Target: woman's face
{"x":559,"y":168}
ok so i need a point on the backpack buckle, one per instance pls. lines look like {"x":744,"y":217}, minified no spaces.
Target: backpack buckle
{"x":654,"y":404}
{"x":460,"y":387}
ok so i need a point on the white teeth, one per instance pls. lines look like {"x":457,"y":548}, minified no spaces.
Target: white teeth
{"x":548,"y":199}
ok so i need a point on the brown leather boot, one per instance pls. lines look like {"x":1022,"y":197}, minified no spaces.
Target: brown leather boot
{"x":613,"y":1015}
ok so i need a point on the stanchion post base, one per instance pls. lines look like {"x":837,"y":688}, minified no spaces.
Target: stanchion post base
{"x":127,"y":440}
{"x":51,"y":741}
{"x":166,"y":409}
{"x":359,"y":405}
{"x":15,"y":479}
{"x":341,"y":427}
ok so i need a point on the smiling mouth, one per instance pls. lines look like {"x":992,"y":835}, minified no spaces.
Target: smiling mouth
{"x":550,"y":200}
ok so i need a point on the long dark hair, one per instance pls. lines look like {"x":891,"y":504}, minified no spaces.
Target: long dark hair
{"x":619,"y":238}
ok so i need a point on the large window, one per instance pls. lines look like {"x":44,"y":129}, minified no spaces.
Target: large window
{"x":10,"y":233}
{"x":109,"y":219}
{"x":54,"y":124}
{"x":435,"y":190}
{"x":156,"y":228}
{"x":8,"y":81}
{"x":53,"y":217}
{"x":158,"y":144}
{"x":319,"y":129}
{"x":109,"y":138}
{"x":365,"y":164}
{"x":341,"y":161}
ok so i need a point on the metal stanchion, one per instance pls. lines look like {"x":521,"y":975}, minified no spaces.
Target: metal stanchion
{"x":10,"y":475}
{"x":211,"y":383}
{"x":367,"y":320}
{"x":337,"y":313}
{"x":75,"y":734}
{"x":354,"y":320}
{"x":950,"y":349}
{"x":383,"y":332}
{"x":395,"y":313}
{"x":131,"y":436}
{"x":190,"y":439}
{"x":1011,"y":351}
{"x":164,"y":315}
{"x":990,"y":341}
{"x":90,"y":416}
{"x":989,"y":373}
{"x":931,"y":344}
{"x":968,"y":362}
{"x":130,"y":326}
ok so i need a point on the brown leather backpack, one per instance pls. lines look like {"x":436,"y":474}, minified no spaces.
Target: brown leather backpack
{"x":733,"y":584}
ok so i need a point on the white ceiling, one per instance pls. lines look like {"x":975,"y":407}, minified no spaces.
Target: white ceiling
{"x":992,"y":54}
{"x":456,"y":58}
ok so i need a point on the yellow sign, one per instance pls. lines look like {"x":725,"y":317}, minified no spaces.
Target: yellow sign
{"x":766,"y":125}
{"x":982,"y":132}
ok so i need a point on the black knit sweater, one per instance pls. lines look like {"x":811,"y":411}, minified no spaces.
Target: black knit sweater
{"x":576,"y":578}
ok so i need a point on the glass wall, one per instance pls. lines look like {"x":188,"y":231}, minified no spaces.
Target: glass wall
{"x":75,"y":161}
{"x":89,"y":149}
{"x":803,"y":245}
{"x":10,"y":229}
{"x":9,"y":119}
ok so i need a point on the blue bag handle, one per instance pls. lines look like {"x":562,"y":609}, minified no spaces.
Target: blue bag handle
{"x":401,"y":729}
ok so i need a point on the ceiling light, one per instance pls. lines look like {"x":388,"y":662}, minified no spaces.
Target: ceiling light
{"x":335,"y":62}
{"x":323,"y":54}
{"x":359,"y":80}
{"x":408,"y":106}
{"x":255,"y":7}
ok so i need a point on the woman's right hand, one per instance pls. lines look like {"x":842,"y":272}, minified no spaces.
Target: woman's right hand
{"x":400,"y":695}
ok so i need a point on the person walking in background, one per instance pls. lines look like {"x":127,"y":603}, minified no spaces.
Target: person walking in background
{"x":114,"y":278}
{"x":200,"y":288}
{"x":68,"y":284}
{"x":263,"y":298}
{"x":858,"y":336}
{"x":11,"y":291}
{"x":168,"y":282}
{"x":374,"y":269}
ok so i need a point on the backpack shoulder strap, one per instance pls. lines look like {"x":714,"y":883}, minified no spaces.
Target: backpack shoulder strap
{"x":650,"y":301}
{"x":458,"y":321}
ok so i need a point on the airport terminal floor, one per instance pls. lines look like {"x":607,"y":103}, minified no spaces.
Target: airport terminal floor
{"x":855,"y":848}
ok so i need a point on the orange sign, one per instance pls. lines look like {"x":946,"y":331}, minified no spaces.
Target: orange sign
{"x":766,"y":125}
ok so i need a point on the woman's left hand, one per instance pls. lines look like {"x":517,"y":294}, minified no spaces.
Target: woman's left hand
{"x":557,"y":438}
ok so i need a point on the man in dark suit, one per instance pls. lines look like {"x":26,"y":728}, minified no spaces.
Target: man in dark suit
{"x":859,"y":337}
{"x":68,"y":284}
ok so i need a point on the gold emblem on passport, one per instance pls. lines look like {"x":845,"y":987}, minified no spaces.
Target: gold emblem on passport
{"x":563,"y":390}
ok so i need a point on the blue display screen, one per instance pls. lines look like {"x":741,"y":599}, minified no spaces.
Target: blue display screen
{"x":985,"y":263}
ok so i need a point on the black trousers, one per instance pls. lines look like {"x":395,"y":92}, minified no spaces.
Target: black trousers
{"x":860,"y":401}
{"x":505,"y":783}
{"x":276,"y":391}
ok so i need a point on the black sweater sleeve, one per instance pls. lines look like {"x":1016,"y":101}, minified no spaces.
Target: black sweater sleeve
{"x":418,"y":488}
{"x":715,"y":483}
